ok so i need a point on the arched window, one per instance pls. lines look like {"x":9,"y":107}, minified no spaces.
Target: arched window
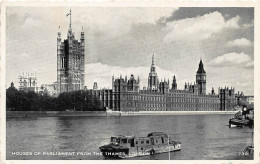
{"x":61,"y":62}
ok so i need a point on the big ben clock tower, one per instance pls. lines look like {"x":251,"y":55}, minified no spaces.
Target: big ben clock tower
{"x":201,"y":79}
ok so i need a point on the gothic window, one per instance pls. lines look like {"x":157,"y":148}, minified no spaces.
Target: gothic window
{"x":64,"y":62}
{"x":61,"y":62}
{"x":76,"y":61}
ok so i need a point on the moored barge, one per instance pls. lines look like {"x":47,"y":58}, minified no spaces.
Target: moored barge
{"x":242,"y":118}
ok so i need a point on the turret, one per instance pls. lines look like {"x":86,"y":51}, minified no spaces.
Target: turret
{"x":82,"y":38}
{"x":113,"y":81}
{"x":163,"y":86}
{"x":196,"y":90}
{"x":174,"y":84}
{"x":12,"y":84}
{"x":212,"y":91}
{"x":132,"y":84}
{"x":59,"y":35}
{"x":95,"y":86}
{"x":201,"y":78}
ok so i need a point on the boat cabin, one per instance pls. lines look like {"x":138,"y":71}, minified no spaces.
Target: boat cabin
{"x":155,"y":138}
{"x":124,"y":141}
{"x":130,"y":146}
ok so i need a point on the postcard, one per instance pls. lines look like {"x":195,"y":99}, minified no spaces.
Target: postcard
{"x":130,"y":81}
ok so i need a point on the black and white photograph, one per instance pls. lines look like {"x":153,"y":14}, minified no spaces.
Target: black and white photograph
{"x":137,"y":82}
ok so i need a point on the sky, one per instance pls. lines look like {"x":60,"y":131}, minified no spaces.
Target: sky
{"x":122,"y":41}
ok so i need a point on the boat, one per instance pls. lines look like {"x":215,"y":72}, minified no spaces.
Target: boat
{"x":243,"y":118}
{"x":236,"y":122}
{"x":131,"y":146}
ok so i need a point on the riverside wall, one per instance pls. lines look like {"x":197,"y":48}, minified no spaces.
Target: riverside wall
{"x":16,"y":114}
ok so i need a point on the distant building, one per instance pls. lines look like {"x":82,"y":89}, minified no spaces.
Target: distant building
{"x":250,"y":99}
{"x":49,"y":89}
{"x":241,"y":99}
{"x":28,"y":82}
{"x":70,"y":62}
{"x":125,"y":95}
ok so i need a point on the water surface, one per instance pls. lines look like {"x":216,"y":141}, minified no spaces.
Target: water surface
{"x":202,"y":136}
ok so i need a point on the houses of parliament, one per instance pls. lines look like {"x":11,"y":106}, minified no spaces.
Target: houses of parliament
{"x":126,"y":94}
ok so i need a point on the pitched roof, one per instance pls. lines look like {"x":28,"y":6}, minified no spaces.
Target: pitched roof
{"x":201,"y":68}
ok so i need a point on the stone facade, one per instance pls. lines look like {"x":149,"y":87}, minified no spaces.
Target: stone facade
{"x":70,"y":62}
{"x":105,"y":96}
{"x":227,"y":98}
{"x":126,"y":95}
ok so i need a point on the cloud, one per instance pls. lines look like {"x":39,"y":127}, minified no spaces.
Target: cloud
{"x":243,"y":42}
{"x":102,"y":73}
{"x":126,"y":37}
{"x":231,"y":59}
{"x":249,"y":64}
{"x":31,"y":22}
{"x":116,"y":22}
{"x":24,"y":55}
{"x":198,"y":28}
{"x":248,"y":25}
{"x":246,"y":83}
{"x":39,"y":69}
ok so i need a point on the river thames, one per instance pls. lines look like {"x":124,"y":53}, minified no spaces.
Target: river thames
{"x":203,"y":137}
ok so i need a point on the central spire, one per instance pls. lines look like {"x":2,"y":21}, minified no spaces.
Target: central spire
{"x":152,"y":66}
{"x":153,"y":82}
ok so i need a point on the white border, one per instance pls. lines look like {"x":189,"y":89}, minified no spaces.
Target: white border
{"x":144,"y":3}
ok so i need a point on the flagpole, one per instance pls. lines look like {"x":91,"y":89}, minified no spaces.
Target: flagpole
{"x":70,"y":18}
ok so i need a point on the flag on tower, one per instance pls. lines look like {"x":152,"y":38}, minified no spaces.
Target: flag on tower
{"x":68,"y":13}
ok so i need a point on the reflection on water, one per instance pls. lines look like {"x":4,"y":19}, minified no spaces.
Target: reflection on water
{"x":202,"y":136}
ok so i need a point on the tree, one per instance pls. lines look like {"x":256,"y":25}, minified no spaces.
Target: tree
{"x":31,"y":101}
{"x":12,"y":98}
